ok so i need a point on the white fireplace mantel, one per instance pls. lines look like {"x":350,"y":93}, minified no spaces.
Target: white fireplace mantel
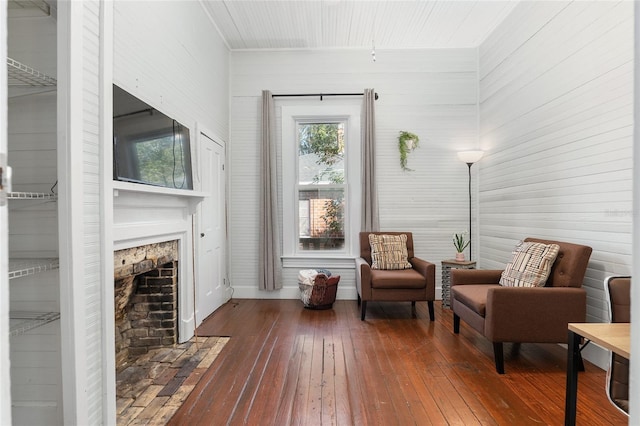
{"x":193,"y":197}
{"x":144,"y":214}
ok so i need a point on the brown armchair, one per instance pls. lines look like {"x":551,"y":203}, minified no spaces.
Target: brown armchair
{"x":522,"y":314}
{"x":618,"y":294}
{"x":405,"y":285}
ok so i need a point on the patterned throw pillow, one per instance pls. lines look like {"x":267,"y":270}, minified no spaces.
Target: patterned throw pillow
{"x":530,"y":265}
{"x":389,"y":251}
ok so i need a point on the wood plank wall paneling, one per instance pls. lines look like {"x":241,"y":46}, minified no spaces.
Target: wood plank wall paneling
{"x":556,"y":122}
{"x":36,"y":377}
{"x":244,"y":157}
{"x":91,"y":188}
{"x":432,"y":93}
{"x":171,"y":56}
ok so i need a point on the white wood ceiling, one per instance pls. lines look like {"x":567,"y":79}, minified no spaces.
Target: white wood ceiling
{"x":328,"y":24}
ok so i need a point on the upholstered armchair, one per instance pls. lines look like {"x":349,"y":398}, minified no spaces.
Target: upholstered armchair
{"x":618,"y":292}
{"x":416,"y":283}
{"x":522,"y":314}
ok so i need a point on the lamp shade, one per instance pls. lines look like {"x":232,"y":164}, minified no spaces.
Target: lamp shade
{"x":470,"y":157}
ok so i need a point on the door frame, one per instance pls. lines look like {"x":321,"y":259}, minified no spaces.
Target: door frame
{"x":201,"y":131}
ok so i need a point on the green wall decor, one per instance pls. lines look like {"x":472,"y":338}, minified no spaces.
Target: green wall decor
{"x":407,"y":142}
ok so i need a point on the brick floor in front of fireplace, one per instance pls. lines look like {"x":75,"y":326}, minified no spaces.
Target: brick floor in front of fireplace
{"x":150,"y":391}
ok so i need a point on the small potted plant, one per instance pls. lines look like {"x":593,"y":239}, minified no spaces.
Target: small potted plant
{"x":460,"y":242}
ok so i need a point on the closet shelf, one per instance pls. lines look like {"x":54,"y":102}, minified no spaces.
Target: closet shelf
{"x":28,"y":8}
{"x":19,"y":74}
{"x":24,"y":267}
{"x":31,"y":196}
{"x":22,"y":321}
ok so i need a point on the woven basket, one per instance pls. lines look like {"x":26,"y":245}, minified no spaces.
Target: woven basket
{"x":321,"y":294}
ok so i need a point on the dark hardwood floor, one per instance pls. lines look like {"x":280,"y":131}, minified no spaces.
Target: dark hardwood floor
{"x":285,"y":365}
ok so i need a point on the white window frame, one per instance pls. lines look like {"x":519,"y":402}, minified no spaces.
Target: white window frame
{"x":291,"y":115}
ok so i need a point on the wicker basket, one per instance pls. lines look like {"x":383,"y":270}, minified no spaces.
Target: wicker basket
{"x":321,"y":294}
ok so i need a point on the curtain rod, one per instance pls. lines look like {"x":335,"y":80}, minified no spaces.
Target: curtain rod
{"x":321,"y":95}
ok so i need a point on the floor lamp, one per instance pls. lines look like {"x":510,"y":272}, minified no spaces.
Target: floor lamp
{"x":470,"y":157}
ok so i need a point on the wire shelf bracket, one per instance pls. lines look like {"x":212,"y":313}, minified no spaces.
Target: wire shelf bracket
{"x":22,"y":75}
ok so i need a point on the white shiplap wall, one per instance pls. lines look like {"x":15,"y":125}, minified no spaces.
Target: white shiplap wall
{"x":556,"y":121}
{"x":634,"y":377}
{"x":92,"y":207}
{"x":175,"y":61}
{"x":170,"y":55}
{"x":80,"y":204}
{"x":432,"y":93}
{"x":36,"y":375}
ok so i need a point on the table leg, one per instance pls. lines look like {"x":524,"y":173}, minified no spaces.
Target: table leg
{"x":573,"y":360}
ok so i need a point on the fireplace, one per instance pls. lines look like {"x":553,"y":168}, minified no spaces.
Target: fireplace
{"x":146,"y":300}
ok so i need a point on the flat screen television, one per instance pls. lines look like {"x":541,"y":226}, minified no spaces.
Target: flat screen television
{"x":148,"y":146}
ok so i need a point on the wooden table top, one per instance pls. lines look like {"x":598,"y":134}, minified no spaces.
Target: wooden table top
{"x":615,"y":337}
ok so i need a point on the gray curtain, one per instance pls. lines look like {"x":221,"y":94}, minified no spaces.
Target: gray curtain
{"x":369,"y":218}
{"x":270,"y":271}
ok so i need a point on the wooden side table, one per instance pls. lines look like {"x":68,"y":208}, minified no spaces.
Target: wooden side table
{"x":447,"y":265}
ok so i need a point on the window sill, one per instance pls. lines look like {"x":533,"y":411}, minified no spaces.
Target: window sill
{"x":326,"y":262}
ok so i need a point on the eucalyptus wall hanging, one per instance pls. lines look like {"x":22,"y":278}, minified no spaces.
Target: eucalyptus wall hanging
{"x":407,"y":142}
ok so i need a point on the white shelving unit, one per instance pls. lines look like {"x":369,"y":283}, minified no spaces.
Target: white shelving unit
{"x":23,"y":321}
{"x":34,"y":306}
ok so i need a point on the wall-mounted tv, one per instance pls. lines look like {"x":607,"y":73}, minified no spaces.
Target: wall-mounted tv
{"x":149,"y":147}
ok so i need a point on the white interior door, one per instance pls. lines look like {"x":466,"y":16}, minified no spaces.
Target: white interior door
{"x":210,"y":284}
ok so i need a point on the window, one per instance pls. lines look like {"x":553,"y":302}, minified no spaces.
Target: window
{"x":321,"y":184}
{"x":321,"y":180}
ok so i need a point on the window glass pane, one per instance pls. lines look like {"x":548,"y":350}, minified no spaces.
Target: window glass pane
{"x":303,"y":214}
{"x":324,"y":218}
{"x":320,"y":153}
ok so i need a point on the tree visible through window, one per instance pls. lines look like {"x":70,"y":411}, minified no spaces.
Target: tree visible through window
{"x":161,"y":162}
{"x":321,"y":185}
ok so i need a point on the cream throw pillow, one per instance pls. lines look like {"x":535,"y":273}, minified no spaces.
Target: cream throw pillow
{"x":530,"y":265}
{"x":389,"y":251}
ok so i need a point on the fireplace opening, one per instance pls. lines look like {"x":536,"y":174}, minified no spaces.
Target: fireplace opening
{"x":146,"y":300}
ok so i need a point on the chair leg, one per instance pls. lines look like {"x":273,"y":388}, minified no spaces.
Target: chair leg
{"x":359,"y":300}
{"x":431,"y":312}
{"x":456,"y":324}
{"x":363,"y":308}
{"x":499,"y":357}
